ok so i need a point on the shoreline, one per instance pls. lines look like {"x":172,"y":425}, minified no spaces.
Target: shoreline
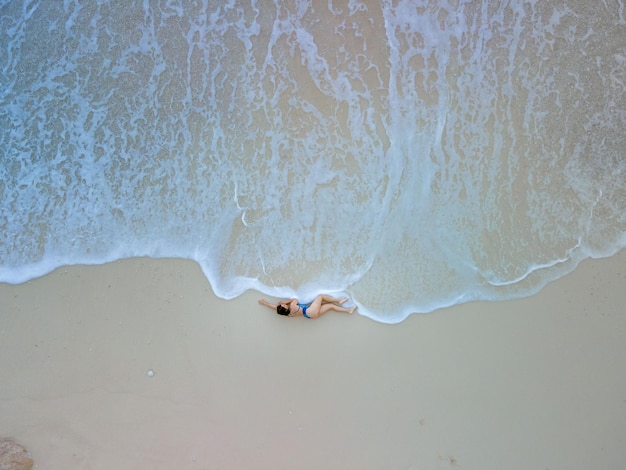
{"x":288,"y":293}
{"x":531,"y":382}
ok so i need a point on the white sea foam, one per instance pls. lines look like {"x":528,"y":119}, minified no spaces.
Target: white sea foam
{"x":412,"y":154}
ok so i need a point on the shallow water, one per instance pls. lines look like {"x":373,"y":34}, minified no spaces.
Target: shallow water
{"x":414,"y":154}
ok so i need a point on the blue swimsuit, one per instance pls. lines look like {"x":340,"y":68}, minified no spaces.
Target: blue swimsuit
{"x":304,"y":307}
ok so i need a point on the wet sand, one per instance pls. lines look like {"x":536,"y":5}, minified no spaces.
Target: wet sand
{"x":532,"y":383}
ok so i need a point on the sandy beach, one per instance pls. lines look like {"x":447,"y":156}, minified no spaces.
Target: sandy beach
{"x":535,"y":383}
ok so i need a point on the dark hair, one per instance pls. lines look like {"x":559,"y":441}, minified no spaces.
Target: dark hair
{"x":282,"y":310}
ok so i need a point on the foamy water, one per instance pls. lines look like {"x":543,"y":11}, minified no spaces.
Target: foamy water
{"x":414,"y":154}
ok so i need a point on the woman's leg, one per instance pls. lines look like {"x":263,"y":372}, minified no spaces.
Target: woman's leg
{"x":324,"y":304}
{"x":327,"y":299}
{"x":332,"y":307}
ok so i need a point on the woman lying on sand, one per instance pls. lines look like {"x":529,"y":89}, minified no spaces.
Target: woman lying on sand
{"x":321,"y":305}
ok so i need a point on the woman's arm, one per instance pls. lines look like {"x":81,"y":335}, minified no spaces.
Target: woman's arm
{"x":267,"y":304}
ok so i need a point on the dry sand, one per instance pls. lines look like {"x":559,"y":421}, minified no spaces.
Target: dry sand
{"x":531,"y":384}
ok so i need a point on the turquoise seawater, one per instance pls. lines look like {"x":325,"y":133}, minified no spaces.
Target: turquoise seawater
{"x":413,"y":154}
